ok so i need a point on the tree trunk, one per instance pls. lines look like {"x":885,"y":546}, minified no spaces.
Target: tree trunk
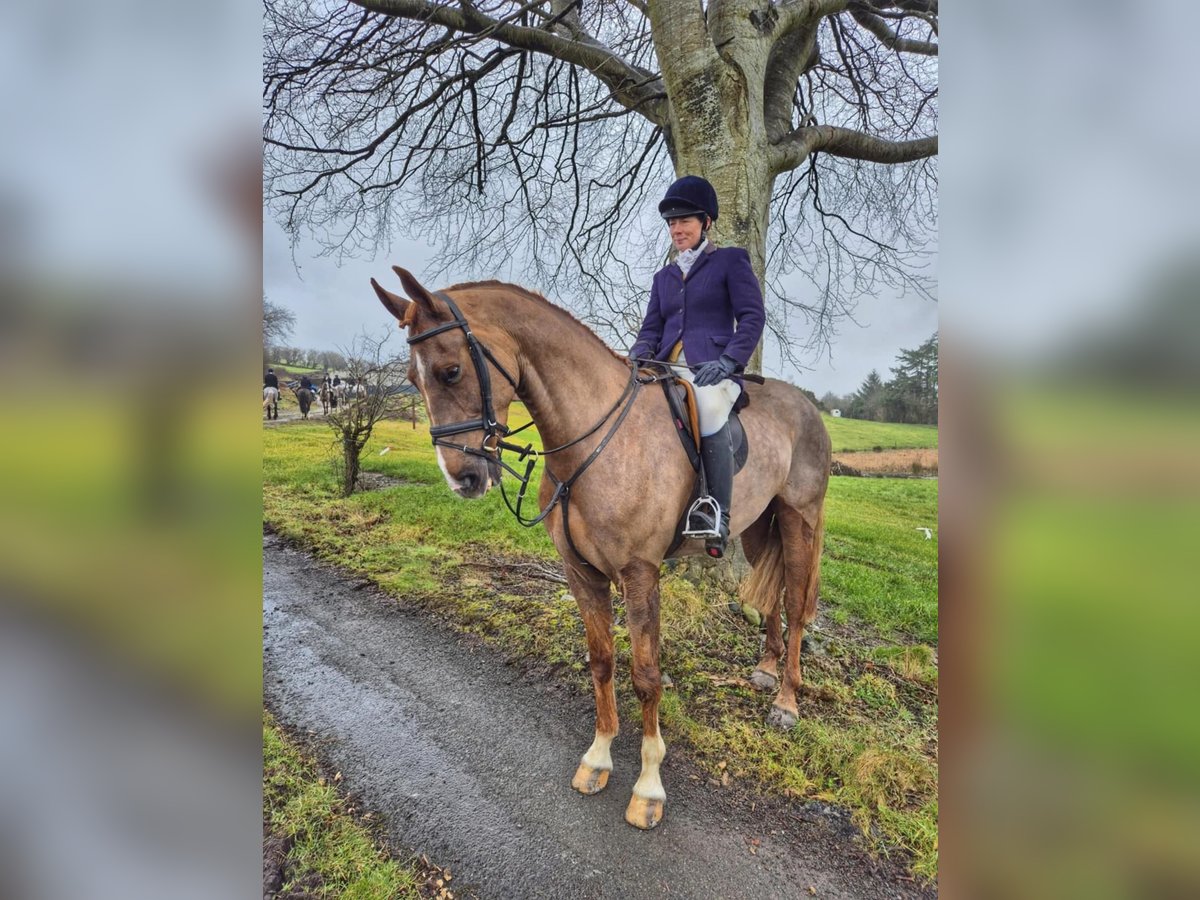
{"x":350,"y":451}
{"x":717,"y":127}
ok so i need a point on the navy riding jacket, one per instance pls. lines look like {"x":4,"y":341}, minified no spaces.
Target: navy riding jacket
{"x":717,"y":309}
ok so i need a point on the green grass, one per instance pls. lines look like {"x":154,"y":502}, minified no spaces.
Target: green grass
{"x":878,"y":566}
{"x":867,"y":735}
{"x":299,"y":370}
{"x":330,"y":846}
{"x":859,"y":434}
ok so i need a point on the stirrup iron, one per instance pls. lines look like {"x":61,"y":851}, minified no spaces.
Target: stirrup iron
{"x":704,"y":507}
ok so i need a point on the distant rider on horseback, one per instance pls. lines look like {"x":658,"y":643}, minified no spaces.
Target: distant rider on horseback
{"x":705,"y":316}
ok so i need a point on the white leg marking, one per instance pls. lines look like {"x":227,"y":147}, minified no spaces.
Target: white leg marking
{"x":598,"y":755}
{"x":649,"y":785}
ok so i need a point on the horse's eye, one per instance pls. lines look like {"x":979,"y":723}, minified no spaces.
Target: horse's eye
{"x":451,"y":374}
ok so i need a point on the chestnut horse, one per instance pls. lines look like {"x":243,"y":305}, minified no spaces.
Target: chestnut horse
{"x":616,"y":483}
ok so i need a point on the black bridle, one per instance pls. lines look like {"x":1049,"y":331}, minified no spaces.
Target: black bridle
{"x":487,"y":423}
{"x":495,"y":433}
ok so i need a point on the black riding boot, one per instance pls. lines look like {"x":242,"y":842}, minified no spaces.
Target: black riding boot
{"x":717,"y":455}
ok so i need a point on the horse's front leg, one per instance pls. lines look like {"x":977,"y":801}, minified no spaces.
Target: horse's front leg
{"x":595,"y":606}
{"x":639,"y":584}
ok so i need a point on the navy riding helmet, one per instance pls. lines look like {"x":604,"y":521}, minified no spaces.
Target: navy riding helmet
{"x":691,"y":195}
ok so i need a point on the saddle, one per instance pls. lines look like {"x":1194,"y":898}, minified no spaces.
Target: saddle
{"x":681,"y":400}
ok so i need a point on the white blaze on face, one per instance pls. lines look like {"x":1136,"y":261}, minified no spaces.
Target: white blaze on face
{"x":450,"y":479}
{"x":455,"y":485}
{"x":422,"y":371}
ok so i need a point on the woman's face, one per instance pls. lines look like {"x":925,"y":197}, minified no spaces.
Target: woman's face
{"x":685,"y":231}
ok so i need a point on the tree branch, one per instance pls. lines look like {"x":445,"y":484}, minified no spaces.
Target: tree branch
{"x":633,"y":87}
{"x":800,"y":14}
{"x":878,"y":27}
{"x":849,"y":144}
{"x":790,"y":58}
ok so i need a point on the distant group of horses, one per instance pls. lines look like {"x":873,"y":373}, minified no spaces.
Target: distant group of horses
{"x":330,"y":396}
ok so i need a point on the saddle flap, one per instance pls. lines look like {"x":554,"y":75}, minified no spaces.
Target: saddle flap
{"x":681,"y":398}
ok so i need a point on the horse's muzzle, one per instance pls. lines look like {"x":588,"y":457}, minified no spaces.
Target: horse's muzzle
{"x":471,"y":485}
{"x":474,"y":479}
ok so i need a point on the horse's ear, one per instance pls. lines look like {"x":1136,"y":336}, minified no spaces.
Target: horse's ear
{"x":414,"y":288}
{"x":396,"y":305}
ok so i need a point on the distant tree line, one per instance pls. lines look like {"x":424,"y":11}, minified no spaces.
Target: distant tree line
{"x":326,"y":360}
{"x":910,"y":396}
{"x":278,"y":323}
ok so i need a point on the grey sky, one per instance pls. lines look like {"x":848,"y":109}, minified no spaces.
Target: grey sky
{"x":333,"y":303}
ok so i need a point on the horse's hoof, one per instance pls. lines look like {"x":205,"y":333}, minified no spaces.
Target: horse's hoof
{"x":781,"y":718}
{"x":588,"y":780}
{"x":763,"y":681}
{"x":643,"y":813}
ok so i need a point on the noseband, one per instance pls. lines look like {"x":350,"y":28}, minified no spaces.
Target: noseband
{"x":494,"y":433}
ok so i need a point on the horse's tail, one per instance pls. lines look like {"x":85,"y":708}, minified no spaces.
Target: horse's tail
{"x":764,"y":588}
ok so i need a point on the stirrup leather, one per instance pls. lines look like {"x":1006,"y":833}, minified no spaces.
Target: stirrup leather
{"x":708,"y":511}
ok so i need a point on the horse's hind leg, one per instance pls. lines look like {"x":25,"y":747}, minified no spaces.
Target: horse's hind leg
{"x":766,"y":674}
{"x":755,"y":541}
{"x":595,"y":606}
{"x":802,"y":533}
{"x":639,"y":584}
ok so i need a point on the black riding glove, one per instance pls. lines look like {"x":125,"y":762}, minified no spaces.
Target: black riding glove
{"x":714,"y":372}
{"x":639,"y":351}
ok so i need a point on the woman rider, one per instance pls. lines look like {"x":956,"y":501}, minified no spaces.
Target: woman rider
{"x":706,"y":316}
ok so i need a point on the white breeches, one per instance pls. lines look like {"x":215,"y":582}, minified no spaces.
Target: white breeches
{"x":713,"y":403}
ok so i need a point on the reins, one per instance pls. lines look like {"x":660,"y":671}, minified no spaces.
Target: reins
{"x":495,"y":433}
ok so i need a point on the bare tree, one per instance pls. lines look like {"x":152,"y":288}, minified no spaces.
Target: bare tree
{"x":540,"y":134}
{"x":369,"y":363}
{"x":278,"y":322}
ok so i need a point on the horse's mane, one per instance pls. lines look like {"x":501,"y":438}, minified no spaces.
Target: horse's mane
{"x":538,"y":298}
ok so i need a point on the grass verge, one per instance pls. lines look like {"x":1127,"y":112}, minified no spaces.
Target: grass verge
{"x":324,"y":851}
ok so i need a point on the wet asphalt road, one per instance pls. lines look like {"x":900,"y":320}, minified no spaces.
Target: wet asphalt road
{"x":470,"y":762}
